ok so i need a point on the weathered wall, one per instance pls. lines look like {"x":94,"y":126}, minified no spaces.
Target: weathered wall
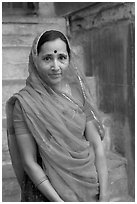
{"x":65,"y":8}
{"x":45,"y":9}
{"x":103,"y":38}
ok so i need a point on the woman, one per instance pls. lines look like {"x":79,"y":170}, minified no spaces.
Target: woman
{"x":54,"y":131}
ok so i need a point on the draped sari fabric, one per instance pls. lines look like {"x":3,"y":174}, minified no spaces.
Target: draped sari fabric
{"x":57,"y":123}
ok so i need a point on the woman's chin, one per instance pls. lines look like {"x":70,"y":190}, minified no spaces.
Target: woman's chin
{"x":55,"y":81}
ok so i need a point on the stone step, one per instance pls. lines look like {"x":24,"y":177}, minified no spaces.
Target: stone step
{"x":33,"y":28}
{"x":10,"y":190}
{"x":4,"y":137}
{"x":12,"y":55}
{"x":17,"y":40}
{"x":7,"y":171}
{"x":9,"y":88}
{"x":5,"y":150}
{"x":15,"y":62}
{"x":31,"y":19}
{"x":14,"y":71}
{"x":10,"y":186}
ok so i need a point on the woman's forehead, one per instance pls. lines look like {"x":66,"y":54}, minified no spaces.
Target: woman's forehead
{"x":54,"y":46}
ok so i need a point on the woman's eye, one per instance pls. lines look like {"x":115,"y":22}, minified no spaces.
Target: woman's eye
{"x":62,"y":57}
{"x":47,"y":58}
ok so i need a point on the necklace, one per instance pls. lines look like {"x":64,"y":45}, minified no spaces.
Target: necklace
{"x":74,"y":110}
{"x":65,"y":93}
{"x":68,"y":89}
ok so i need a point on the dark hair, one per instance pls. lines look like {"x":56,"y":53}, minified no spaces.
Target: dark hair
{"x":52,"y":35}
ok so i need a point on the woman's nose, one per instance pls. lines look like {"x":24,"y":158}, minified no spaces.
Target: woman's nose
{"x":55,"y":65}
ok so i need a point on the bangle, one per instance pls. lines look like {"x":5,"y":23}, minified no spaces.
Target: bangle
{"x":41,"y":181}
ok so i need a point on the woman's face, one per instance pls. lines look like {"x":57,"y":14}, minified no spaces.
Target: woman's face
{"x":53,"y":61}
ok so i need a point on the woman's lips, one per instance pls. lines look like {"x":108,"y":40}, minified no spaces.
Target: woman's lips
{"x":54,"y":76}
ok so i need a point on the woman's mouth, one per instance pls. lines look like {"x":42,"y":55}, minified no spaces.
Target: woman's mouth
{"x":54,"y":76}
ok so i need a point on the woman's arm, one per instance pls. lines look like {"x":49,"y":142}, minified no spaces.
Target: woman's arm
{"x":100,"y":160}
{"x":28,"y":152}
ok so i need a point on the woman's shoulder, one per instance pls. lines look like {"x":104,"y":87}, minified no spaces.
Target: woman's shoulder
{"x":17,"y":108}
{"x":17,"y":105}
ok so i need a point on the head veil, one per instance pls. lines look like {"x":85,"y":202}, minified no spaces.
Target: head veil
{"x":73,"y":75}
{"x":45,"y":115}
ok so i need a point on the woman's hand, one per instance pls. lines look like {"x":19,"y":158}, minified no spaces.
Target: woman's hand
{"x":100,"y":160}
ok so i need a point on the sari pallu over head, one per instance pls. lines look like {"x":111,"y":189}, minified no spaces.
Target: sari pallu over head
{"x":57,"y":125}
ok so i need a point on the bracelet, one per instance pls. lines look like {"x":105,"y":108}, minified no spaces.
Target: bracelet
{"x":41,"y":181}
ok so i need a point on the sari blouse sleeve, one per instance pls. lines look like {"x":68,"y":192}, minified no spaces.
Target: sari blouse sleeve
{"x":19,"y":123}
{"x":21,"y":126}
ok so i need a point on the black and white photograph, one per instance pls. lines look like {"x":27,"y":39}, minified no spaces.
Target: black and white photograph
{"x":68,"y":101}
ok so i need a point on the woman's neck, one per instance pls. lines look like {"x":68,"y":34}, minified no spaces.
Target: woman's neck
{"x":62,"y":87}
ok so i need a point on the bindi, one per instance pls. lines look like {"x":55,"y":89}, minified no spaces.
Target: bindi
{"x":55,"y":51}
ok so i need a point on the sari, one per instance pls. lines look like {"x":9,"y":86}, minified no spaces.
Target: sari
{"x":57,"y":122}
